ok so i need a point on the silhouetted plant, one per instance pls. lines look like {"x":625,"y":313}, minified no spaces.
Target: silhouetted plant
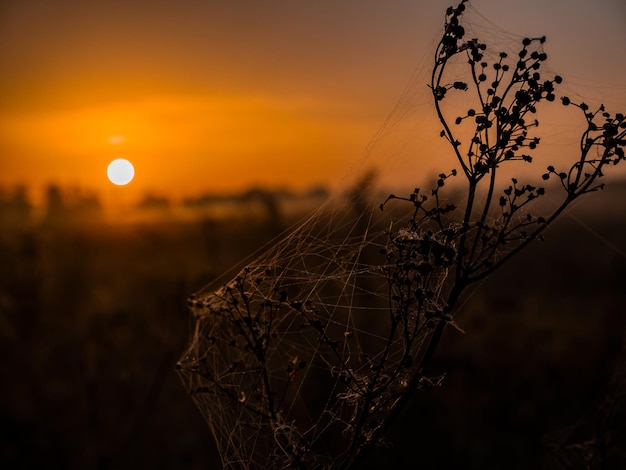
{"x":261,"y":339}
{"x":493,"y":230}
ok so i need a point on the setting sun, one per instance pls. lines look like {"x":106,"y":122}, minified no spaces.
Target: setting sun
{"x":120,"y":171}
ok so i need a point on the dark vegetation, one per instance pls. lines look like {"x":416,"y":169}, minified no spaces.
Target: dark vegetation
{"x":93,"y":319}
{"x":539,"y":378}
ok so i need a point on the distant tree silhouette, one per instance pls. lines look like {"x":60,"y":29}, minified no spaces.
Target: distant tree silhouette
{"x":64,"y":207}
{"x":16,"y":209}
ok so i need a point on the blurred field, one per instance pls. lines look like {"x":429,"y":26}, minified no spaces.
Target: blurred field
{"x":93,"y":319}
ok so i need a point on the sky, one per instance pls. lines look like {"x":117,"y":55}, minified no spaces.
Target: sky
{"x":207,"y":96}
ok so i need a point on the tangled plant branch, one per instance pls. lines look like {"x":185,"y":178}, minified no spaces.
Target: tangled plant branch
{"x":283,"y":327}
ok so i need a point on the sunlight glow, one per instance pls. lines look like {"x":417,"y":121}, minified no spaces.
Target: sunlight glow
{"x":117,"y":139}
{"x":120,"y":171}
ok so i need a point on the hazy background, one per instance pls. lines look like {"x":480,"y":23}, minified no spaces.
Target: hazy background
{"x":215,"y":96}
{"x":93,"y":319}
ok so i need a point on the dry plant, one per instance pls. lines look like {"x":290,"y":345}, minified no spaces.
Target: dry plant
{"x":308,"y":356}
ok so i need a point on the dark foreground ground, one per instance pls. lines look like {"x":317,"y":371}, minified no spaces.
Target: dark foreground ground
{"x":93,"y":320}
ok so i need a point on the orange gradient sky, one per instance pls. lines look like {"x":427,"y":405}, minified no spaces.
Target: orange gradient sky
{"x":216,"y":96}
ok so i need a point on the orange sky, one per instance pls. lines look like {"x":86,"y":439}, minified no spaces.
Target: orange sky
{"x":214,"y":96}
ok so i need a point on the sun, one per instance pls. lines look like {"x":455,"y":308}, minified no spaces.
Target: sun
{"x":120,"y":171}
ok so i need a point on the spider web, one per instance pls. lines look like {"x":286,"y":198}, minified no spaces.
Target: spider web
{"x":283,"y":357}
{"x":281,"y":354}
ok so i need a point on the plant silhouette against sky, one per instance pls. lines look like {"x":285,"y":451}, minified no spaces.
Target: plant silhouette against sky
{"x":281,"y":364}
